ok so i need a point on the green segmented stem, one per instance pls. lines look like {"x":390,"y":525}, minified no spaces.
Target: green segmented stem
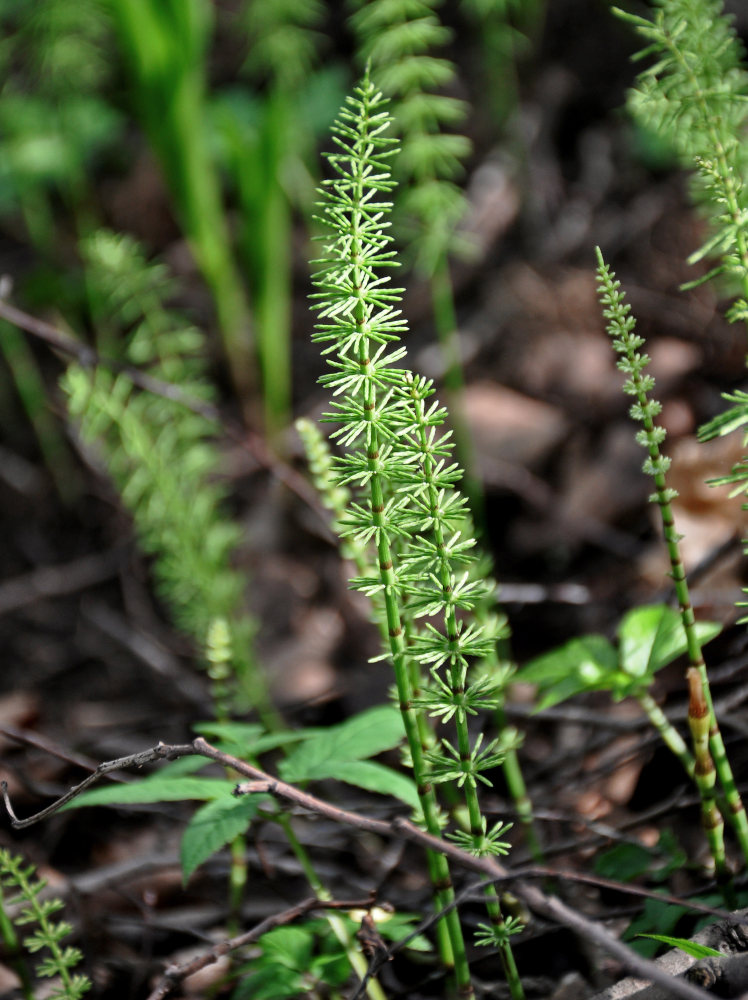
{"x":667,"y":731}
{"x":457,"y":671}
{"x":438,"y":866}
{"x":627,"y":343}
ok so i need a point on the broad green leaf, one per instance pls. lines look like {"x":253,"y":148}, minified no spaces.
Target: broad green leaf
{"x":158,"y":788}
{"x":365,"y":735}
{"x":272,"y":982}
{"x":653,"y":636}
{"x":183,"y":765}
{"x":398,"y":925}
{"x":624,"y":862}
{"x":373,"y":777}
{"x":288,"y":946}
{"x":213,"y":826}
{"x":583,"y":664}
{"x":692,"y":948}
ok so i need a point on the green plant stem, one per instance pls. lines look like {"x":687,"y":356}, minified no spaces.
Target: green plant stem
{"x":667,"y":731}
{"x":336,"y":499}
{"x":644,"y":410}
{"x":445,"y":322}
{"x":457,"y":670}
{"x":438,"y":866}
{"x":695,"y":656}
{"x":724,"y":174}
{"x":705,"y":776}
{"x":266,"y":244}
{"x":164,"y":45}
{"x":515,"y":781}
{"x":33,"y":395}
{"x":357,"y":961}
{"x":444,"y":892}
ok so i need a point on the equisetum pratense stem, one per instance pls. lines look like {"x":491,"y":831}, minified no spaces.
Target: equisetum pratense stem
{"x":457,"y":670}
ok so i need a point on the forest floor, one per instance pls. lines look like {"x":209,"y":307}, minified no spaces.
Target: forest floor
{"x":91,"y":670}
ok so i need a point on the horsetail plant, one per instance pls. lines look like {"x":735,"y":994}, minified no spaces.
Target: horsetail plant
{"x":398,"y":461}
{"x":28,"y":907}
{"x":403,"y":43}
{"x":694,"y":95}
{"x":709,"y":750}
{"x":161,"y":455}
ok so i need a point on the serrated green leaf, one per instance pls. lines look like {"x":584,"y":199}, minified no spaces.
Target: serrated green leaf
{"x":272,"y":740}
{"x":373,"y":777}
{"x":249,"y":741}
{"x":213,"y":826}
{"x":271,"y":983}
{"x":158,"y":788}
{"x":363,"y":736}
{"x":653,"y":636}
{"x":288,"y":946}
{"x":692,"y":948}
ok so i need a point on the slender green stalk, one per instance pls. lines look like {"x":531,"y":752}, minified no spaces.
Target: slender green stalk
{"x":33,"y":395}
{"x":705,"y":776}
{"x":408,"y":510}
{"x":694,"y":94}
{"x":515,"y":781}
{"x":336,"y":498}
{"x":357,"y":302}
{"x":670,"y":735}
{"x":164,"y":44}
{"x":445,"y":324}
{"x":627,"y":343}
{"x":338,"y":926}
{"x":268,"y":162}
{"x":471,"y":759}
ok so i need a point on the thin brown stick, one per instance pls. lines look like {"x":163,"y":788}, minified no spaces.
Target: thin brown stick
{"x":161,"y":751}
{"x":175,"y":974}
{"x":531,"y":895}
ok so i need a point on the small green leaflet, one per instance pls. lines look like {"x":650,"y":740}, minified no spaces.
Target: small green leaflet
{"x":213,"y":826}
{"x":691,"y":948}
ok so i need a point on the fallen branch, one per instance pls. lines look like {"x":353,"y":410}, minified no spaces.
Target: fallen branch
{"x":533,"y":897}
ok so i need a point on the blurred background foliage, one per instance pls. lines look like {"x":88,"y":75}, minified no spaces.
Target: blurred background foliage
{"x":195,"y":125}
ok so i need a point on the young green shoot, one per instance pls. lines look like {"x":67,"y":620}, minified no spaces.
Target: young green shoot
{"x":406,"y":506}
{"x":621,"y":327}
